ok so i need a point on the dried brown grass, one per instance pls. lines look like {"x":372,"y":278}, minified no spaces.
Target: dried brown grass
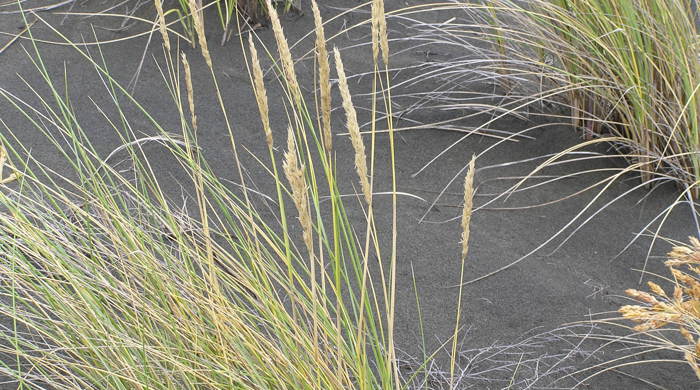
{"x":680,"y":309}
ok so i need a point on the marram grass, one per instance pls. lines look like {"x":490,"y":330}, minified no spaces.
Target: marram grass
{"x":625,"y":71}
{"x":109,"y":284}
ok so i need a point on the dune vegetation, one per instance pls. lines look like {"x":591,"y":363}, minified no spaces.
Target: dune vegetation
{"x":110,"y":285}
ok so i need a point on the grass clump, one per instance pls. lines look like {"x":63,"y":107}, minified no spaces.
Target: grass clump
{"x":625,"y":70}
{"x":110,"y":284}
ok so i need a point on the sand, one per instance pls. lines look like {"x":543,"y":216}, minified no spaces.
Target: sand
{"x":539,"y":294}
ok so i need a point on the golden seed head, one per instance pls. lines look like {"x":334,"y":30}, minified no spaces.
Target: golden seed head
{"x":260,"y":92}
{"x":353,"y":129}
{"x":468,"y":206}
{"x":380,"y":39}
{"x":692,"y":361}
{"x":678,"y":294}
{"x":162,"y":25}
{"x":694,"y":242}
{"x":285,"y":54}
{"x":641,"y":295}
{"x":680,"y":253}
{"x":5,"y":161}
{"x":686,"y":334}
{"x":294,"y":171}
{"x":324,"y":78}
{"x":198,"y":21}
{"x":190,"y":90}
{"x":656,"y":289}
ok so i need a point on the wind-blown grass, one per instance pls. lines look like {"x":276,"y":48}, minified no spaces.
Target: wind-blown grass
{"x":626,"y":72}
{"x":110,"y":285}
{"x":626,"y":68}
{"x":623,"y":73}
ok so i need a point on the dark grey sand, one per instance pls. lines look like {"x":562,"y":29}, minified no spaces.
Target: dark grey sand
{"x":539,"y":294}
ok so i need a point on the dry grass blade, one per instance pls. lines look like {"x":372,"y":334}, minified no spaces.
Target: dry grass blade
{"x":17,"y":36}
{"x":353,"y":129}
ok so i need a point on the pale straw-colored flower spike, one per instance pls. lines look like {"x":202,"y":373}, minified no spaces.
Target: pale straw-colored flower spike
{"x":353,"y":128}
{"x":375,"y":29}
{"x":4,"y":160}
{"x":468,"y":206}
{"x":190,"y":90}
{"x":198,"y":21}
{"x":260,"y":92}
{"x":324,"y":79}
{"x":294,"y":171}
{"x":162,"y":25}
{"x":380,"y":35}
{"x":285,"y":54}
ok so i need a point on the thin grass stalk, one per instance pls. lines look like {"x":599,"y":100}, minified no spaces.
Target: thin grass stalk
{"x":324,"y":86}
{"x":466,"y":219}
{"x":294,"y":171}
{"x":215,"y":288}
{"x":380,"y":30}
{"x":366,"y":188}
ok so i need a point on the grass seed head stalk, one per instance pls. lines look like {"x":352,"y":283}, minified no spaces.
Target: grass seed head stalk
{"x":468,"y":206}
{"x":260,"y":92}
{"x":190,"y":90}
{"x":198,"y":21}
{"x":5,"y":161}
{"x":353,"y":129}
{"x":162,"y":24}
{"x":324,"y":79}
{"x":294,"y":171}
{"x":285,"y":54}
{"x":380,"y":38}
{"x":466,"y":219}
